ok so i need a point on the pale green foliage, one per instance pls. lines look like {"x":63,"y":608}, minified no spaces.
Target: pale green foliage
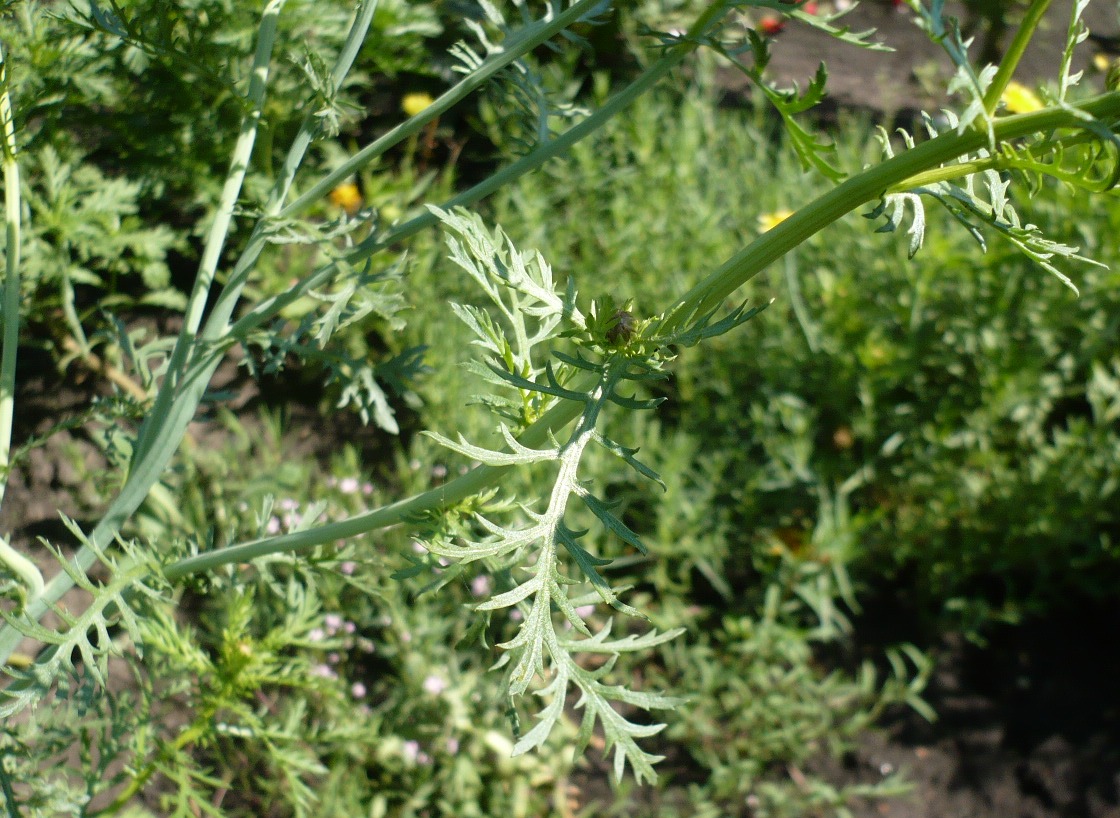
{"x":353,"y":299}
{"x":811,"y":149}
{"x":532,"y":550}
{"x":967,"y":81}
{"x":980,"y":199}
{"x":526,"y":104}
{"x":86,"y":637}
{"x":1077,"y":33}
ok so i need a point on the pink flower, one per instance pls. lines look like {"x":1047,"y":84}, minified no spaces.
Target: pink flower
{"x":348,"y":567}
{"x":333,"y":622}
{"x":480,"y":585}
{"x":348,"y":485}
{"x":358,"y":690}
{"x":434,"y":685}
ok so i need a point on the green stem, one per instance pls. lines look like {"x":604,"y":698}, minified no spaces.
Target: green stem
{"x":1014,"y":54}
{"x":449,"y":494}
{"x":1001,"y":161}
{"x":195,"y":358}
{"x":267,"y":309}
{"x":894,"y":173}
{"x":10,"y":315}
{"x":525,"y":40}
{"x":164,"y":427}
{"x":857,"y":191}
{"x":150,"y":432}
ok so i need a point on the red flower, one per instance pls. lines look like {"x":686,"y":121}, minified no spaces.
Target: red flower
{"x":771,"y":26}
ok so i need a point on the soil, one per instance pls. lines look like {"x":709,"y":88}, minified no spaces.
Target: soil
{"x":898,"y":84}
{"x":1029,"y":725}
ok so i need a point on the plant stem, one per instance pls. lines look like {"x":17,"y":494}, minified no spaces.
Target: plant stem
{"x":894,"y":173}
{"x":163,"y":429}
{"x":1014,"y":54}
{"x":197,"y":356}
{"x":151,"y":432}
{"x":448,"y":494}
{"x":513,"y":48}
{"x":10,"y":313}
{"x":705,"y":296}
{"x":555,"y":148}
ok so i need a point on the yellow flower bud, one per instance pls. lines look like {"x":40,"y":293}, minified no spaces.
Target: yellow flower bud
{"x":1019,"y":99}
{"x":347,"y":197}
{"x":768,"y":221}
{"x":414,"y":103}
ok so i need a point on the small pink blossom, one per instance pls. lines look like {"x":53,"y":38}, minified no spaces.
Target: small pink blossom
{"x":316,"y":634}
{"x":367,"y":489}
{"x":358,"y":690}
{"x":272,"y":526}
{"x":585,"y":611}
{"x":348,"y":485}
{"x":348,"y":567}
{"x":452,"y":745}
{"x":323,"y":672}
{"x":333,"y":622}
{"x":480,"y":585}
{"x":434,"y":685}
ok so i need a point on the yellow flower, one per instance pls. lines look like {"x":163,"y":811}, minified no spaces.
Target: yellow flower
{"x":412,"y":104}
{"x":768,"y":221}
{"x":347,"y":197}
{"x":1019,"y":99}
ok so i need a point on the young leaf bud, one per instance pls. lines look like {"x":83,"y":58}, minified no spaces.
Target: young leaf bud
{"x":622,"y":328}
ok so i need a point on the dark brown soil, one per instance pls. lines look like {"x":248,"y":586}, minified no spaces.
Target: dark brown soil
{"x":1028,"y":727}
{"x":912,"y":77}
